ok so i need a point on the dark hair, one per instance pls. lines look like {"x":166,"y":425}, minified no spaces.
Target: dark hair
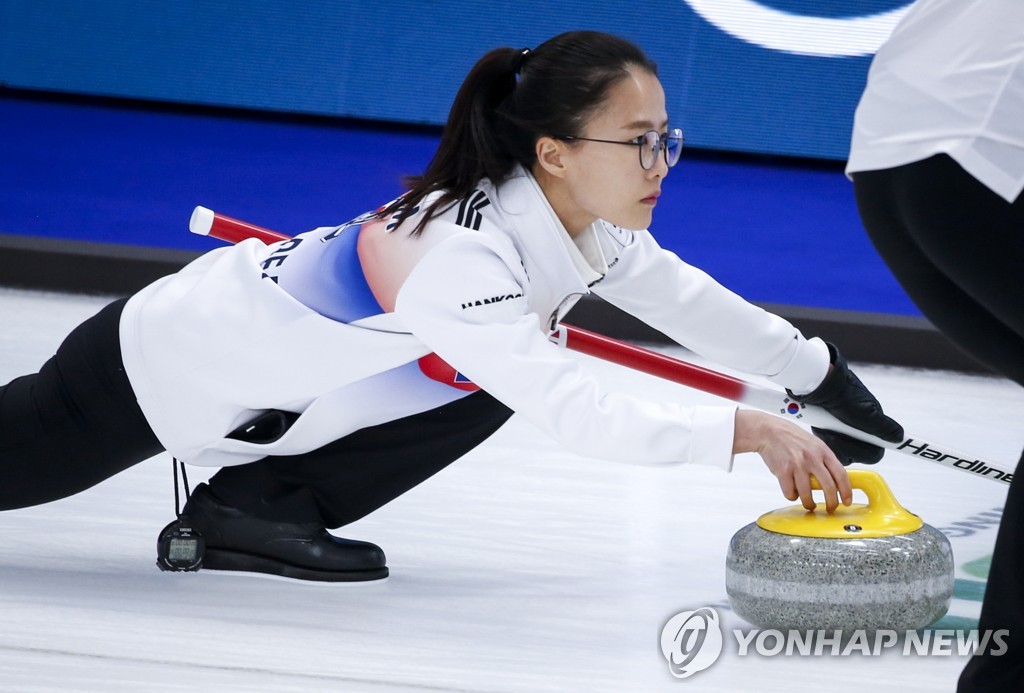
{"x":510,"y":99}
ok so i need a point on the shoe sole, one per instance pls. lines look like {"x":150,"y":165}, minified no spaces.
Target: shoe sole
{"x":218,"y":559}
{"x":312,"y":584}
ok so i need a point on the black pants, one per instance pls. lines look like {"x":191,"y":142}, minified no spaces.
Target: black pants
{"x":957,"y":249}
{"x":353,"y":476}
{"x":76,"y":423}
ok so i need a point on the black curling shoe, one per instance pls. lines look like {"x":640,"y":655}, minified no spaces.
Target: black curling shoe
{"x":213,"y":536}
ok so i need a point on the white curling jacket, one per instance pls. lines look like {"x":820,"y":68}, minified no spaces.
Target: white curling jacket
{"x":950,"y":79}
{"x":253,"y":327}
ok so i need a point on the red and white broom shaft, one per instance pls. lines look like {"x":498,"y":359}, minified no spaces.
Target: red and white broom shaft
{"x":765,"y":398}
{"x":206,"y":222}
{"x":769,"y":399}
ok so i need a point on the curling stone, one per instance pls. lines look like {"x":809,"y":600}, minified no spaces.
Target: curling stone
{"x":873,"y":567}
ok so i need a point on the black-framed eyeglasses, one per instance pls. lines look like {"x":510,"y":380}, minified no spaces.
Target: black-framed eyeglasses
{"x":650,"y":144}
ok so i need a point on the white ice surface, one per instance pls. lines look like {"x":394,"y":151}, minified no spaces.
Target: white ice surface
{"x":520,"y":568}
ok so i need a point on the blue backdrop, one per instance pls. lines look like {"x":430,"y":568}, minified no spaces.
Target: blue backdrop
{"x":775,"y":76}
{"x":761,"y":76}
{"x":775,"y":231}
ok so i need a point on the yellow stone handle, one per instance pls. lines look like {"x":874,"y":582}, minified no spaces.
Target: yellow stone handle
{"x":880,"y":497}
{"x":882,"y":516}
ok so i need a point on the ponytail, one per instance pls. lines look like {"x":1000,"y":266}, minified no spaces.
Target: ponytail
{"x":508,"y":100}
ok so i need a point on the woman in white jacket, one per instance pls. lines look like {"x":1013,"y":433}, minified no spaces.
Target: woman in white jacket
{"x":316,"y":371}
{"x":937,"y":161}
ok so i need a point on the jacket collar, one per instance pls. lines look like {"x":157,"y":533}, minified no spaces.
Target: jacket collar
{"x":543,"y":240}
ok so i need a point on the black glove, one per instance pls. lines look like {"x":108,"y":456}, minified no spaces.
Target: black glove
{"x":843,"y":395}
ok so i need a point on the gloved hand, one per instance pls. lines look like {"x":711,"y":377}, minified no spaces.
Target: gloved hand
{"x":844,"y":396}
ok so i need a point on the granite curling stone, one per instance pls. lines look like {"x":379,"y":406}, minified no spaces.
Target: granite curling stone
{"x":873,"y":567}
